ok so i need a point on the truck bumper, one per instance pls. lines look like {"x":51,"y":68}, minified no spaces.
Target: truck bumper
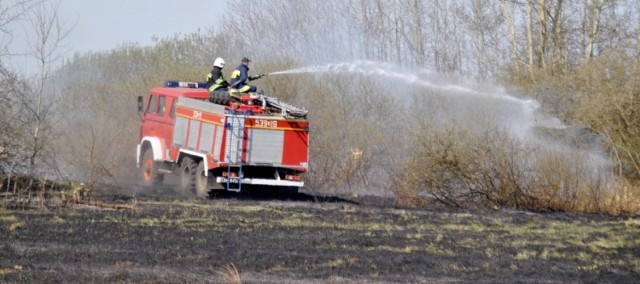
{"x":138,"y":155}
{"x":261,"y":181}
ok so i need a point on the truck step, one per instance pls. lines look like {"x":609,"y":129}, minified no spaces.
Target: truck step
{"x":233,"y":189}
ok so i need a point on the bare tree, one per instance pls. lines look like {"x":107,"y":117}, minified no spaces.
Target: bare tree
{"x":24,"y":112}
{"x":46,"y":35}
{"x":416,"y":37}
{"x":557,"y":36}
{"x":12,"y":88}
{"x":512,"y":34}
{"x":542,"y":37}
{"x":396,"y":12}
{"x":482,"y":21}
{"x":638,"y":34}
{"x":530,"y":43}
{"x":594,"y":10}
{"x":12,"y":13}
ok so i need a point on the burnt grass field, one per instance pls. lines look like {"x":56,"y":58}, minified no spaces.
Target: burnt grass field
{"x":151,"y":237}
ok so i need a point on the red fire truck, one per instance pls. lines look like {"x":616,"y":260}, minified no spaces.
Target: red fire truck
{"x":242,"y":141}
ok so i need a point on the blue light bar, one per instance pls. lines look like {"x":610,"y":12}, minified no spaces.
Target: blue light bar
{"x":183,"y":84}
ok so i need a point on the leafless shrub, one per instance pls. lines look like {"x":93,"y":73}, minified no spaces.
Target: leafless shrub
{"x":608,"y":103}
{"x":601,"y":93}
{"x":488,"y":169}
{"x":12,"y":130}
{"x":461,"y":169}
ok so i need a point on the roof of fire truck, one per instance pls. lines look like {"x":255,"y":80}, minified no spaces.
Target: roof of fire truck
{"x":193,"y":90}
{"x":182,"y":92}
{"x":198,"y":90}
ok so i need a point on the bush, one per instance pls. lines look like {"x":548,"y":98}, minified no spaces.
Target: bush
{"x":604,"y":94}
{"x":486,"y":169}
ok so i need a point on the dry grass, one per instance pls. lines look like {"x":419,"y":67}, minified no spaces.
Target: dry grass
{"x":354,"y":243}
{"x":230,"y":274}
{"x":16,"y":226}
{"x":8,"y":270}
{"x":624,"y":199}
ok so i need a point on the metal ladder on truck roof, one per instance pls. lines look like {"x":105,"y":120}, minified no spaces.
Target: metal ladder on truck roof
{"x":285,"y":108}
{"x":235,"y":147}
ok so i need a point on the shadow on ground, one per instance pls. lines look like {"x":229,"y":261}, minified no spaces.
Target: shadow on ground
{"x":278,"y":196}
{"x":127,"y":193}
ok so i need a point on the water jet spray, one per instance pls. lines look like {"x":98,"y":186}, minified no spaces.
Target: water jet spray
{"x":527,"y":107}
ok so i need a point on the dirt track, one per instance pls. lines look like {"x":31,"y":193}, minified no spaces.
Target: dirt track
{"x":173,"y":239}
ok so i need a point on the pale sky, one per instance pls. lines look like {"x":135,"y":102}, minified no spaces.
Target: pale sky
{"x":101,"y":25}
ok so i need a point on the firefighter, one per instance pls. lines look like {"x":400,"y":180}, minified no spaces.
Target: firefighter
{"x":215,"y":80}
{"x":240,"y":77}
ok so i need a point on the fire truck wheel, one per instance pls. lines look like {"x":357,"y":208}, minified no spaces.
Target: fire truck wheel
{"x":201,"y":181}
{"x":149,"y":171}
{"x":188,"y":175}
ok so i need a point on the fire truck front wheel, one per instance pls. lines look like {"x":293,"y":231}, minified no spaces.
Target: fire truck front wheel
{"x":149,"y":171}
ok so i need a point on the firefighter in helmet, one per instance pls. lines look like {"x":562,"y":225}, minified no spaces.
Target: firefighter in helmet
{"x":240,"y":78}
{"x":215,"y":80}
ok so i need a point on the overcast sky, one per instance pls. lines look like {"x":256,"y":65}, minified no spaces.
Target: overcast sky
{"x":101,"y":25}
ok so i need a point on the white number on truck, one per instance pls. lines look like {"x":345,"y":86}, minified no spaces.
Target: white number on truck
{"x":266,"y":123}
{"x":197,"y":114}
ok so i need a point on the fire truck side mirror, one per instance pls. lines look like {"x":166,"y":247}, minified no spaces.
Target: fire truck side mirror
{"x":140,"y":104}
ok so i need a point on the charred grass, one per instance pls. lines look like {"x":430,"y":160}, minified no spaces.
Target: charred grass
{"x":244,"y":240}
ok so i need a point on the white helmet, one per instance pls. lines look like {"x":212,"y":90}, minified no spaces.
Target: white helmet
{"x":219,"y":62}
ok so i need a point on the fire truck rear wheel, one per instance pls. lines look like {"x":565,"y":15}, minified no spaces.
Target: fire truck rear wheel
{"x":149,"y":171}
{"x":188,"y":175}
{"x":201,"y":181}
